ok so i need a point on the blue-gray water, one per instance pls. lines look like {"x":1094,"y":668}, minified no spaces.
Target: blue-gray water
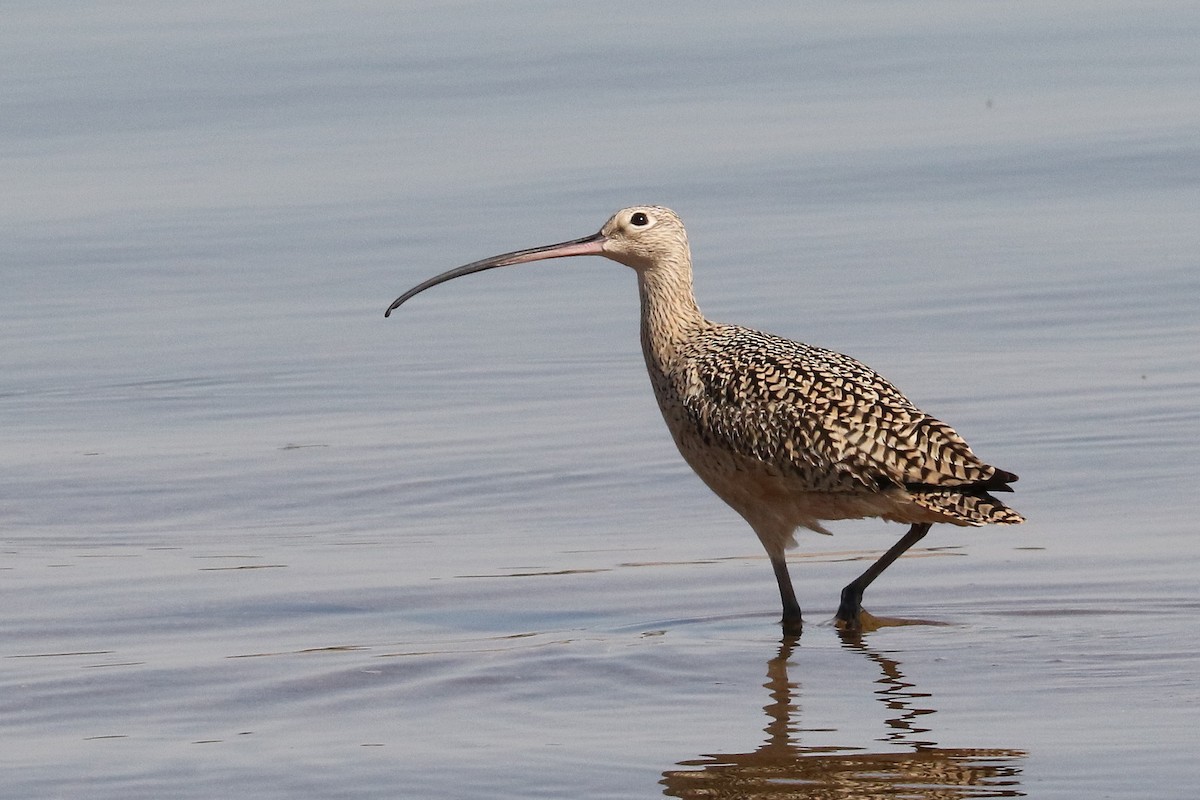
{"x":257,"y":541}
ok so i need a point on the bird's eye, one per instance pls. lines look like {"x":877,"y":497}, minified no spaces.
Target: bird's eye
{"x":639,"y":219}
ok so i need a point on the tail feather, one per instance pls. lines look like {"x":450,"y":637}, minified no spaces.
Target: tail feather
{"x":998,"y":481}
{"x":974,"y":506}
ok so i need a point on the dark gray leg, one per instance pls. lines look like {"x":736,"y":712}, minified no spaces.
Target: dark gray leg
{"x":851,"y":605}
{"x":792,"y":623}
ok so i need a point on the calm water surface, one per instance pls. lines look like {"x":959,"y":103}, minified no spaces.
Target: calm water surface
{"x":257,"y":541}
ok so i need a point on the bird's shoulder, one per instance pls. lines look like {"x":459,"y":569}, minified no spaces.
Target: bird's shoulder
{"x":745,"y":367}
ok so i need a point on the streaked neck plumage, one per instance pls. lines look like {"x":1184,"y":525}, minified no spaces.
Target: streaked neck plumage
{"x":670,"y":316}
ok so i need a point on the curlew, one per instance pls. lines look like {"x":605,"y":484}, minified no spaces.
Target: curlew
{"x":788,"y":434}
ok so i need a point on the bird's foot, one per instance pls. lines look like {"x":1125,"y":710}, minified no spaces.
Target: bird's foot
{"x":865,"y":623}
{"x":849,"y":615}
{"x":852,"y":619}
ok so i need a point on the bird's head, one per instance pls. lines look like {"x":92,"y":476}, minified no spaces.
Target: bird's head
{"x":645,"y":238}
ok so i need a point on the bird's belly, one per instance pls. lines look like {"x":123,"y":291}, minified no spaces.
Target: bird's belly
{"x":773,"y":498}
{"x":756,"y":490}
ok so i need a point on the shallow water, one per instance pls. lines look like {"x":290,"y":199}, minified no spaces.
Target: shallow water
{"x":255,"y":540}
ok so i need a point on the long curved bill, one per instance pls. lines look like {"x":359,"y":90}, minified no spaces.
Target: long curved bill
{"x":587,"y":246}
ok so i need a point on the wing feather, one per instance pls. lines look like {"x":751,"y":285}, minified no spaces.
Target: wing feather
{"x":821,"y":416}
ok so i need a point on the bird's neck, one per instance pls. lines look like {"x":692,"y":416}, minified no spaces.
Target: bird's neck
{"x":670,"y":316}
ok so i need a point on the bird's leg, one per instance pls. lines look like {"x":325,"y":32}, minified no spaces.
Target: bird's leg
{"x":851,"y":606}
{"x":792,"y":623}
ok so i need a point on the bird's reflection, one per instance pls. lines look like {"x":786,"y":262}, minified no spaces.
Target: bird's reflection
{"x":908,"y":765}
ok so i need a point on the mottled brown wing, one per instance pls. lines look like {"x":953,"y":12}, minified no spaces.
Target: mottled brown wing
{"x":822,"y":416}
